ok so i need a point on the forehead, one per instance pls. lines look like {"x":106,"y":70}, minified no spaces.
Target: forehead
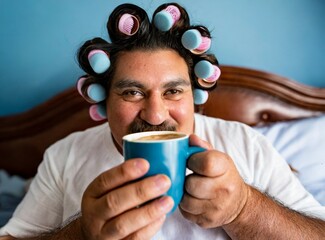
{"x":155,"y":65}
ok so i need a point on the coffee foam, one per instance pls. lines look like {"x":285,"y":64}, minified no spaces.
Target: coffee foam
{"x":153,"y":136}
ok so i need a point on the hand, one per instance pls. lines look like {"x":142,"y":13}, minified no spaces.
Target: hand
{"x":215,"y":193}
{"x":114,"y":206}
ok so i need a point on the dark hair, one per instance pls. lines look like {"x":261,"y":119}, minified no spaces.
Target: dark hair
{"x":147,"y":37}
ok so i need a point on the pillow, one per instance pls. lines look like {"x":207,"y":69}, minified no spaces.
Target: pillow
{"x":302,"y":144}
{"x":12,"y":190}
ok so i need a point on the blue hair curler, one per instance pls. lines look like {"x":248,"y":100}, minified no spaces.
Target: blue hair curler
{"x":193,"y":41}
{"x":96,"y":92}
{"x":204,"y":69}
{"x":98,"y":61}
{"x":207,"y":71}
{"x":200,"y":96}
{"x":165,"y":19}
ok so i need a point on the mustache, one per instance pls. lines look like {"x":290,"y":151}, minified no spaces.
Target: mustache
{"x":139,"y":125}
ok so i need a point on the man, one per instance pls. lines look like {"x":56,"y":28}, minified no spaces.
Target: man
{"x":85,"y":190}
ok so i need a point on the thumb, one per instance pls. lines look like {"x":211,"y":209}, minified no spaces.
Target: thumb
{"x":196,"y":141}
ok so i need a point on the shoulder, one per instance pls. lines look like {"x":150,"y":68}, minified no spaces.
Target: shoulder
{"x":77,"y":147}
{"x":210,"y":127}
{"x":248,"y":148}
{"x":87,"y":136}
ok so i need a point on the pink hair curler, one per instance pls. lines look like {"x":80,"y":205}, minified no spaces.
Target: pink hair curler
{"x":165,"y":19}
{"x":128,"y":24}
{"x":215,"y":75}
{"x":80,"y":83}
{"x":204,"y":46}
{"x":97,"y":112}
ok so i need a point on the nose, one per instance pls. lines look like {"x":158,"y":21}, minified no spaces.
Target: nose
{"x":155,"y":110}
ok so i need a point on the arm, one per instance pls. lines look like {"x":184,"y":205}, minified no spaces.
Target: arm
{"x":216,"y":196}
{"x":264,"y":218}
{"x":110,"y":206}
{"x":70,"y":232}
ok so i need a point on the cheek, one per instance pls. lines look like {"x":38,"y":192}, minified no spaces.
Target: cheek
{"x":119,"y":118}
{"x":119,"y":115}
{"x":183,"y":114}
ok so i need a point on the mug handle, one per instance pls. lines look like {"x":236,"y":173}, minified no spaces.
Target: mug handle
{"x":194,"y":149}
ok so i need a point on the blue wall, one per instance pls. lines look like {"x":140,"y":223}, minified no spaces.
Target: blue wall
{"x":39,"y":40}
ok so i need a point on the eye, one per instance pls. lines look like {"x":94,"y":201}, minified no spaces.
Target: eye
{"x":174,"y":94}
{"x":173,"y":91}
{"x":132,"y":95}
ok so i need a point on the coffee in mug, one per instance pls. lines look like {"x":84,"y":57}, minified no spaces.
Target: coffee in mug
{"x":159,"y":137}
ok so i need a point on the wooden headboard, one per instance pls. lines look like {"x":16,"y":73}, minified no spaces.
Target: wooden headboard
{"x":259,"y":98}
{"x":245,"y":95}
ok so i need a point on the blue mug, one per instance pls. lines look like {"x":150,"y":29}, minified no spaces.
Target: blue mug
{"x":167,"y":152}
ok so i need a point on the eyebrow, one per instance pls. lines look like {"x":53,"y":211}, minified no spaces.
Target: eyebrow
{"x":126,"y":83}
{"x":177,"y":83}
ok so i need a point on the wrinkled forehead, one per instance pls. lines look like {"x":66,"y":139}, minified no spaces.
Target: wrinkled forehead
{"x":157,"y":65}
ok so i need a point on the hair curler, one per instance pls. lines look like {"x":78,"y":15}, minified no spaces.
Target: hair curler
{"x":165,"y":19}
{"x":97,"y":112}
{"x":99,"y":61}
{"x":195,"y":42}
{"x":207,"y":71}
{"x":200,"y":96}
{"x":128,"y":24}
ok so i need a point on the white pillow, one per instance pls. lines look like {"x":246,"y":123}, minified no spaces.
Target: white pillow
{"x":302,"y":144}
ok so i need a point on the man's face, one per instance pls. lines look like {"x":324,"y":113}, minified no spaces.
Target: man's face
{"x":151,"y":90}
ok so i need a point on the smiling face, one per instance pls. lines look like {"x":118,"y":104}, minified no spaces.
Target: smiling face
{"x":150,"y":90}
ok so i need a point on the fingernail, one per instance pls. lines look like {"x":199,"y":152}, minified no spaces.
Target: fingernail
{"x":161,"y":182}
{"x":165,"y":204}
{"x":141,"y":166}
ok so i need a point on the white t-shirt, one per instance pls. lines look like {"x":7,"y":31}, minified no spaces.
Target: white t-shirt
{"x":72,"y":163}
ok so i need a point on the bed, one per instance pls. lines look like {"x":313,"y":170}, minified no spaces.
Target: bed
{"x":290,"y":114}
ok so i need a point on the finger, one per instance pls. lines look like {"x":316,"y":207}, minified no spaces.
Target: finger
{"x":117,"y":176}
{"x":138,"y":219}
{"x":209,"y":163}
{"x":189,"y":216}
{"x":194,"y":140}
{"x":132,"y":195}
{"x":148,"y":231}
{"x":192,"y":205}
{"x":202,"y":220}
{"x":201,"y":187}
{"x":200,"y":212}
